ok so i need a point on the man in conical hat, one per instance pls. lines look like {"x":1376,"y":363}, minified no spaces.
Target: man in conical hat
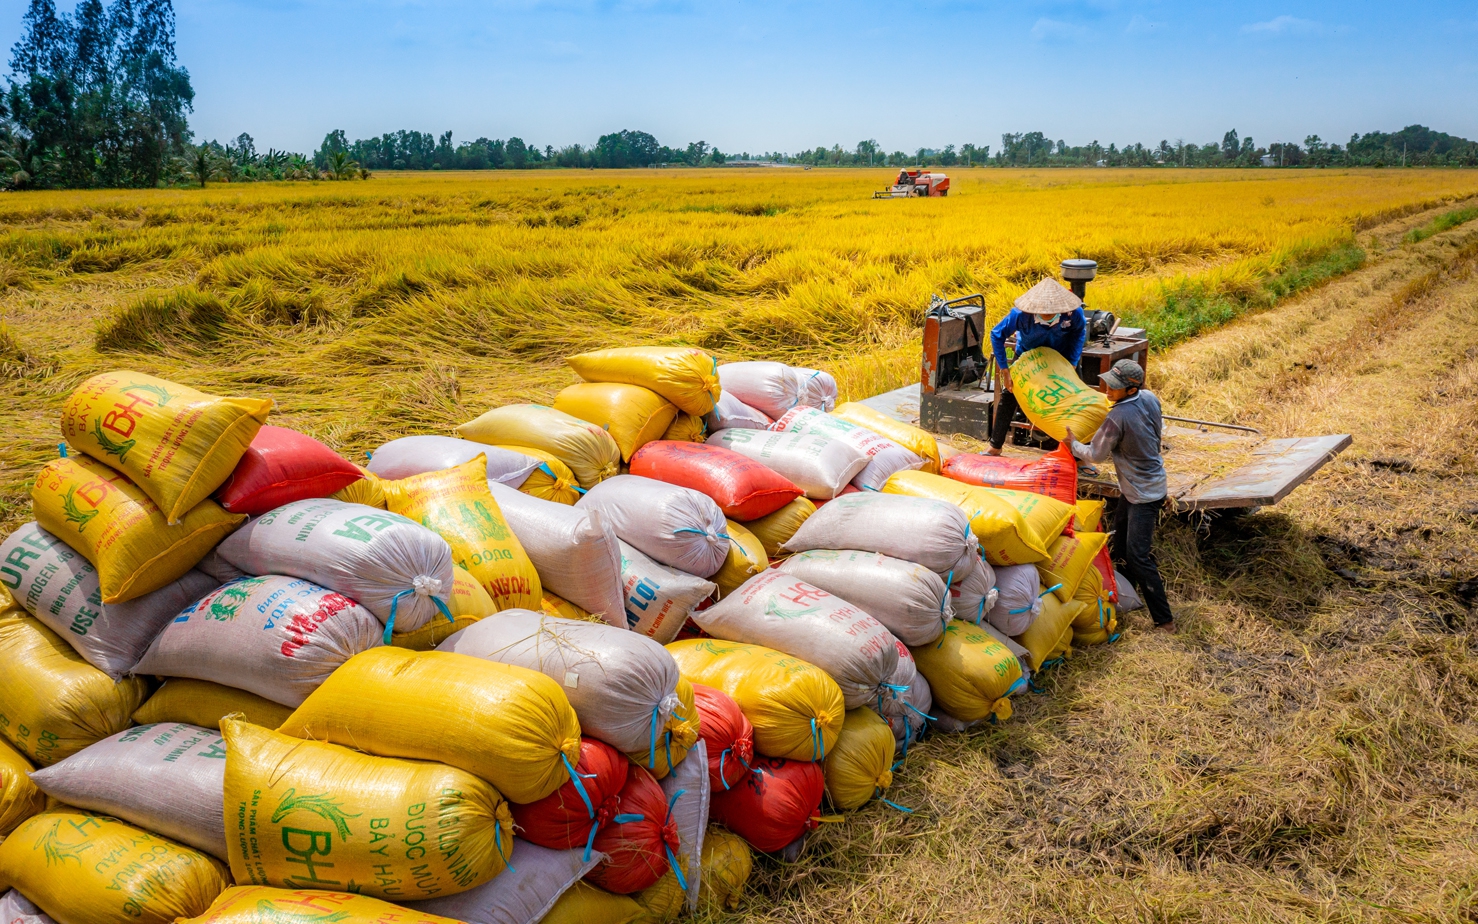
{"x":1045,"y":315}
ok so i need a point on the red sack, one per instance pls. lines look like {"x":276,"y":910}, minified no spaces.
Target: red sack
{"x":1055,"y":474}
{"x":640,"y":841}
{"x":743,"y":489}
{"x":564,"y":820}
{"x":729,"y":735}
{"x":281,"y":466}
{"x":779,"y":802}
{"x":1105,"y":565}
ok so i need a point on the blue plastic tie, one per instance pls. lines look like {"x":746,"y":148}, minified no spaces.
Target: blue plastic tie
{"x":627,"y":819}
{"x":369,"y":456}
{"x":579,"y":786}
{"x":1049,"y":590}
{"x":919,"y":711}
{"x":1016,"y":686}
{"x":818,"y":743}
{"x":590,"y":841}
{"x":896,"y":805}
{"x":498,"y":843}
{"x":670,"y":858}
{"x":395,"y":605}
{"x":722,"y":755}
{"x":652,"y":744}
{"x":62,"y":448}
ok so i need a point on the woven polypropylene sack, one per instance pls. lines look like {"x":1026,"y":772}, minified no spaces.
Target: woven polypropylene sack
{"x":163,"y":778}
{"x":1018,"y":602}
{"x":15,"y":908}
{"x":819,"y":465}
{"x":590,"y":452}
{"x":780,"y":611}
{"x":552,"y":480}
{"x":631,"y":414}
{"x":82,"y":868}
{"x":278,"y":637}
{"x":779,"y":803}
{"x":52,"y":703}
{"x":910,"y":601}
{"x":775,"y":530}
{"x":1054,"y":474}
{"x":686,"y":376}
{"x":743,"y":488}
{"x":61,"y":589}
{"x":509,"y":725}
{"x":1096,"y":607}
{"x":584,"y":903}
{"x":1023,"y":657}
{"x":970,"y":674}
{"x":768,"y":387}
{"x":622,"y":686}
{"x":746,"y":559}
{"x":728,"y":737}
{"x":687,"y":428}
{"x":554,"y":605}
{"x":917,"y":441}
{"x":1012,"y":527}
{"x":930,"y":532}
{"x":417,"y":455}
{"x":1050,"y":635}
{"x":1087,"y":515}
{"x":665,"y":900}
{"x":1052,"y":396}
{"x":368,"y":490}
{"x":177,"y":444}
{"x":884,"y":457}
{"x":202,"y":703}
{"x":281,"y":466}
{"x":306,"y":813}
{"x":266,"y":905}
{"x":973,"y":593}
{"x":817,"y":389}
{"x":570,"y":816}
{"x":676,"y":741}
{"x":727,"y":863}
{"x":658,"y":598}
{"x":19,"y":797}
{"x":677,"y":526}
{"x":639,"y":841}
{"x":469,"y":603}
{"x":795,"y":707}
{"x":575,"y":551}
{"x":1069,"y":558}
{"x":107,"y":518}
{"x":908,"y":703}
{"x":456,"y":504}
{"x":733,"y":414}
{"x":688,"y":801}
{"x":859,"y":767}
{"x":523,"y":893}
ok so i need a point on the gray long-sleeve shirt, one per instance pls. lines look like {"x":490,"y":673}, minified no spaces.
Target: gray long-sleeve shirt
{"x":1131,"y":434}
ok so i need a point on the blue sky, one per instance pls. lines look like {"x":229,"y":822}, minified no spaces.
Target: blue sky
{"x":757,"y":75}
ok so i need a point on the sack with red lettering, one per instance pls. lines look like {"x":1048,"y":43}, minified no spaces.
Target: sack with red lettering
{"x":1054,"y":474}
{"x":278,"y":637}
{"x":658,"y":598}
{"x":777,"y":804}
{"x":743,"y":488}
{"x":728,"y":735}
{"x":884,"y":457}
{"x":641,"y":839}
{"x":570,"y":816}
{"x":281,"y":466}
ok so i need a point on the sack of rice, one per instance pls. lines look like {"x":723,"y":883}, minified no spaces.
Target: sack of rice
{"x":658,"y":598}
{"x":202,"y":703}
{"x":775,"y":530}
{"x":82,"y":868}
{"x":60,"y":588}
{"x":1052,"y":396}
{"x":777,"y":805}
{"x":552,"y":480}
{"x":732,"y":414}
{"x":308,"y":813}
{"x":1012,"y":527}
{"x":117,"y":528}
{"x":417,"y":455}
{"x":676,"y":526}
{"x":687,"y":428}
{"x":795,"y":707}
{"x":19,"y":797}
{"x":163,"y":778}
{"x":1018,"y":602}
{"x":455,"y":504}
{"x":970,"y":674}
{"x":15,"y":908}
{"x":177,"y":444}
{"x":511,"y":726}
{"x":469,"y":603}
{"x":634,"y":416}
{"x":907,"y":704}
{"x":780,"y":611}
{"x":928,"y":532}
{"x":817,"y":389}
{"x":1096,"y":610}
{"x":727,"y":863}
{"x":52,"y":703}
{"x":281,"y":466}
{"x":860,"y":766}
{"x":917,"y":441}
{"x":663,"y":901}
{"x":584,"y":903}
{"x":1087,"y":514}
{"x":555,"y":605}
{"x":278,"y":637}
{"x":590,"y":452}
{"x":265,"y":905}
{"x":571,"y":815}
{"x":910,"y":601}
{"x":640,"y":842}
{"x":728,"y":737}
{"x":743,"y":489}
{"x":575,"y":551}
{"x":686,"y":376}
{"x":688,"y":802}
{"x":768,"y":387}
{"x":746,"y":559}
{"x":884,"y":457}
{"x":973,"y":593}
{"x":679,"y":737}
{"x":524,"y":892}
{"x":1054,"y":474}
{"x":819,"y":465}
{"x":368,"y":490}
{"x":1069,"y":558}
{"x":1049,"y":637}
{"x":1023,"y":657}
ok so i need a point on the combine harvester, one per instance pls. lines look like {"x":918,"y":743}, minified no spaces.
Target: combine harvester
{"x":1211,"y":466}
{"x":913,"y":184}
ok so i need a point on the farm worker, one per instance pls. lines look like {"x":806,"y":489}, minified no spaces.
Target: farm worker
{"x":1131,"y":434}
{"x":1045,"y":315}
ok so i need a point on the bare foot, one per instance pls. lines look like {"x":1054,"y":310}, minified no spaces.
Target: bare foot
{"x":993,"y":451}
{"x":1166,"y":626}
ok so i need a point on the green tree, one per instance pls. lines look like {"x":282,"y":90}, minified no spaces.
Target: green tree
{"x":202,"y":164}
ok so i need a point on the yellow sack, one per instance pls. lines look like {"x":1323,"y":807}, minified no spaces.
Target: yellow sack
{"x":687,"y":428}
{"x":726,"y":864}
{"x":634,"y":416}
{"x":469,"y":603}
{"x":200,"y":702}
{"x":664,"y":900}
{"x":1010,"y":526}
{"x":19,"y":797}
{"x":369,"y":490}
{"x":860,"y":766}
{"x":115,"y":525}
{"x":590,"y":452}
{"x":1069,"y":558}
{"x":679,"y":734}
{"x":775,"y":529}
{"x":555,"y":605}
{"x":1108,"y":631}
{"x":795,"y":707}
{"x":455,"y":504}
{"x":686,"y":376}
{"x":747,"y":557}
{"x":584,"y":903}
{"x":302,"y":814}
{"x":917,"y":441}
{"x":1087,"y":515}
{"x":1053,"y":398}
{"x":82,"y":868}
{"x":263,"y":905}
{"x":177,"y":444}
{"x":970,"y":673}
{"x":52,"y":703}
{"x":551,"y":481}
{"x":1050,"y":635}
{"x":509,"y":725}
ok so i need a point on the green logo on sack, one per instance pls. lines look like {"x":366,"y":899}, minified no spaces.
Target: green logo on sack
{"x":57,"y":852}
{"x":267,"y":910}
{"x":775,"y":609}
{"x":119,"y":449}
{"x":162,"y":397}
{"x":231,"y":598}
{"x":74,"y":513}
{"x":320,"y":805}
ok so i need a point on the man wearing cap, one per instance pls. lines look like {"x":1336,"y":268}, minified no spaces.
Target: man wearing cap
{"x":1131,"y":434}
{"x":1046,"y":315}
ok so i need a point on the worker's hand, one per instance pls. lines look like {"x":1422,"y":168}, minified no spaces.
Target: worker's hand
{"x":1006,"y":378}
{"x":1068,"y":437}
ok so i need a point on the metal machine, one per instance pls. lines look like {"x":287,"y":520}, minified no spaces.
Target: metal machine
{"x":912,"y":184}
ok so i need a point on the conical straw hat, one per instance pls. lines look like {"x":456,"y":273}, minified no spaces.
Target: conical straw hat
{"x":1048,"y":297}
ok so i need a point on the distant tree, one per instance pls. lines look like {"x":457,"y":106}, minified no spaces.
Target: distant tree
{"x":341,"y":166}
{"x":202,"y":164}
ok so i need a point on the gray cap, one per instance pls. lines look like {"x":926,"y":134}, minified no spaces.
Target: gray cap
{"x":1126,"y":373}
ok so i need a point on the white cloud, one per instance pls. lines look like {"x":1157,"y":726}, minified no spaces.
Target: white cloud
{"x":1142,"y":26}
{"x":1055,"y":30}
{"x":1283,"y":25}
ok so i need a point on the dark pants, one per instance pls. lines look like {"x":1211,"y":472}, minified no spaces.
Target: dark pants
{"x":1000,"y":427}
{"x":1134,"y":538}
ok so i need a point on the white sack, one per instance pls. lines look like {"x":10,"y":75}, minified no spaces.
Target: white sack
{"x":768,"y":387}
{"x":523,"y":893}
{"x":658,"y":598}
{"x":929,"y":532}
{"x":688,"y":798}
{"x":167,"y":778}
{"x":884,"y":457}
{"x":677,"y":526}
{"x":623,"y":686}
{"x":369,"y":555}
{"x":911,"y":601}
{"x":950,"y":725}
{"x":278,"y":637}
{"x":1019,"y":600}
{"x":817,"y":388}
{"x":906,"y":710}
{"x":973,"y":593}
{"x":61,"y":589}
{"x":731,"y":413}
{"x":416,"y":455}
{"x":816,"y":464}
{"x":1129,"y":599}
{"x":15,"y":908}
{"x":780,"y":611}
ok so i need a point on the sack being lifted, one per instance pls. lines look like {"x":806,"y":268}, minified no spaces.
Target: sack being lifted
{"x":1053,"y":398}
